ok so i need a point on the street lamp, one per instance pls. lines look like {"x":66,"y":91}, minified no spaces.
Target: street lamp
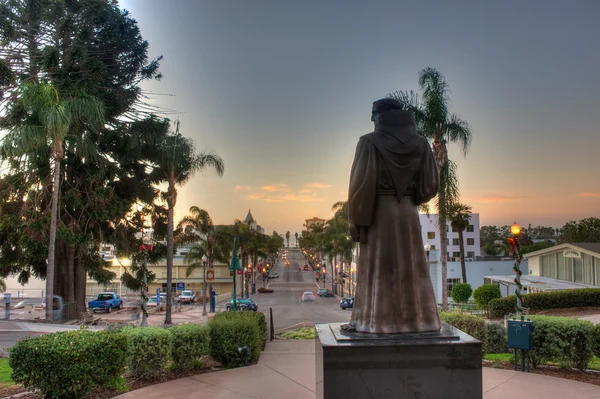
{"x":204,"y":259}
{"x":352,"y":281}
{"x":515,"y":249}
{"x":427,"y":249}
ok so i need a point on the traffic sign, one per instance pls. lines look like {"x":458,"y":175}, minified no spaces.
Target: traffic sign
{"x":180,"y":286}
{"x":158,"y":297}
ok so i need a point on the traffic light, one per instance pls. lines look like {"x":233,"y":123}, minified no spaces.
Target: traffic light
{"x":264,"y":270}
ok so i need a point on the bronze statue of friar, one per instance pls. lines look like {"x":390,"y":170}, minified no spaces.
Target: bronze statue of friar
{"x":394,"y":171}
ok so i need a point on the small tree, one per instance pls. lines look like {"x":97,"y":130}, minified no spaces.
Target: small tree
{"x":485,"y":293}
{"x":461,"y":293}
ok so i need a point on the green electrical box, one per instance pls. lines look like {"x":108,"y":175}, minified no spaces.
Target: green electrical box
{"x":520,"y":334}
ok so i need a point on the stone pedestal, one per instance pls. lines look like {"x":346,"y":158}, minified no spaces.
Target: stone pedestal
{"x":445,"y":364}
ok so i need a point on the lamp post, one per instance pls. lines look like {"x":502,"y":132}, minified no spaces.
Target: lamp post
{"x":352,"y":281}
{"x":427,"y":247}
{"x":515,"y":249}
{"x":204,"y":259}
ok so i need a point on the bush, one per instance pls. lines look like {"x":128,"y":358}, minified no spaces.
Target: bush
{"x":562,"y":340}
{"x":69,"y":364}
{"x":232,"y":330}
{"x":547,"y":300}
{"x":596,"y":341}
{"x":461,"y":292}
{"x":258,"y":317}
{"x":189,"y":343}
{"x":301,"y":333}
{"x":497,"y":338}
{"x":472,"y":325}
{"x":485,"y":293}
{"x":149,"y":350}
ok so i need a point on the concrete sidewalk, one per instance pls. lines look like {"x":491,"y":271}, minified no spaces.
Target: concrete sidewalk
{"x":287,"y":370}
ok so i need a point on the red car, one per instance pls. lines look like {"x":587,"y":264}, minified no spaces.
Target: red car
{"x":306,"y":268}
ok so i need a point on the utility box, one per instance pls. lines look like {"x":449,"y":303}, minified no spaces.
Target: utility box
{"x":29,"y":312}
{"x":520,"y":334}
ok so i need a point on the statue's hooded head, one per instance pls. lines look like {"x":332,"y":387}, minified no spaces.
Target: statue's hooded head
{"x":384,"y":105}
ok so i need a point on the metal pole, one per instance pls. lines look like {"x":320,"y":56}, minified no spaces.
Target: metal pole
{"x":272,"y":327}
{"x":204,"y":289}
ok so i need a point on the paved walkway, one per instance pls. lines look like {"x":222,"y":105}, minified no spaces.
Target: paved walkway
{"x":287,"y":370}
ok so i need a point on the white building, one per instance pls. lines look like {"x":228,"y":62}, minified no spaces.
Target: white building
{"x":430,"y":233}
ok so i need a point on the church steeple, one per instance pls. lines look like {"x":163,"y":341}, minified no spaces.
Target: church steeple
{"x":249,"y":219}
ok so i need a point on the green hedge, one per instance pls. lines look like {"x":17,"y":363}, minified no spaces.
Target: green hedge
{"x":258,"y":317}
{"x":472,"y":325}
{"x":497,"y":338}
{"x":564,"y":340}
{"x":486,"y":293}
{"x":69,"y":364}
{"x":190,"y":342}
{"x":149,"y":350}
{"x":232,"y":330}
{"x":586,"y":297}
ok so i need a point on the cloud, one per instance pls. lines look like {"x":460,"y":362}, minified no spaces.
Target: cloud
{"x":305,"y":191}
{"x":588,"y":194}
{"x":255,"y":196}
{"x":300,"y":198}
{"x":276,"y":187}
{"x":317,"y":185}
{"x":500,"y":198}
{"x":243,"y":188}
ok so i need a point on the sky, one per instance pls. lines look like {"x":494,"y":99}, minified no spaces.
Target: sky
{"x":282,"y":91}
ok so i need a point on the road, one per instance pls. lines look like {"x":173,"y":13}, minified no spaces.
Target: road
{"x":288,"y":309}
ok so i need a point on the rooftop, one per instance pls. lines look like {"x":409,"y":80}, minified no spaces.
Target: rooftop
{"x":539,"y":283}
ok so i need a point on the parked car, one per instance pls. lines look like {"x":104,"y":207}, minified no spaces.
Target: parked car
{"x":273,"y":275}
{"x":243,"y":304}
{"x":152,"y":302}
{"x":106,"y":301}
{"x":306,"y":268}
{"x":347,"y":302}
{"x":326,"y":293}
{"x":186,"y":296}
{"x":308,"y":296}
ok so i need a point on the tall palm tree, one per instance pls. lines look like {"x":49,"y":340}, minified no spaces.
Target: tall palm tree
{"x":296,"y":235}
{"x":435,"y":122}
{"x":460,"y":215}
{"x":177,"y":162}
{"x":287,"y":238}
{"x":49,"y":121}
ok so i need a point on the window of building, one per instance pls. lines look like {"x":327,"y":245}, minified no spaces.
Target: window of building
{"x":470,"y":254}
{"x":548,"y":263}
{"x":432,"y":248}
{"x":451,"y":283}
{"x":455,"y":241}
{"x":470,"y":241}
{"x":431,"y":235}
{"x":470,"y":228}
{"x":456,"y":254}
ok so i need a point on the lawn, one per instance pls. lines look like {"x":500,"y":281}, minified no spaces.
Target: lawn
{"x":509,"y":357}
{"x":5,"y":371}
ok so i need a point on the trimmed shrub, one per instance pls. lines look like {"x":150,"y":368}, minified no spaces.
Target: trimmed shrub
{"x":149,"y":350}
{"x":497,"y":338}
{"x":230,"y":331}
{"x":258,"y":318}
{"x":461,"y":292}
{"x":547,"y":300}
{"x":472,"y":325}
{"x":189,"y":343}
{"x":562,"y":340}
{"x":69,"y":364}
{"x":596,"y":341}
{"x":485,"y":293}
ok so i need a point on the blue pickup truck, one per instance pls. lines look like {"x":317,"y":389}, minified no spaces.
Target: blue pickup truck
{"x":106,"y":301}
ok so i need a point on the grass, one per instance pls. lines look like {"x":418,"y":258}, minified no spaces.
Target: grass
{"x":302,"y":333}
{"x":509,"y":357}
{"x":5,"y":371}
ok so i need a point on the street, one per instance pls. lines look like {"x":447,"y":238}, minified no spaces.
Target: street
{"x":288,"y":310}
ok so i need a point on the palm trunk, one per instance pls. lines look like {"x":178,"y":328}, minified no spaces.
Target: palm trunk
{"x":209,"y":254}
{"x":80,"y":282}
{"x":52,"y":242}
{"x":463,"y":267}
{"x":71,"y":313}
{"x":444,"y":259}
{"x":171,"y":200}
{"x":441,"y":158}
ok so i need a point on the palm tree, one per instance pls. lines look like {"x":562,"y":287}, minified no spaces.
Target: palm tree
{"x":296,"y":235}
{"x":49,"y":120}
{"x":435,"y":122}
{"x":460,"y":215}
{"x":177,"y":163}
{"x":287,"y":238}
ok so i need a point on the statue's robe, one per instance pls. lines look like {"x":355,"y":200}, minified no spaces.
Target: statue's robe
{"x":393,"y":172}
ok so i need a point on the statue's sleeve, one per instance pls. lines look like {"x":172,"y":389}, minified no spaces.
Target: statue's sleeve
{"x":363,"y":184}
{"x":428,"y":179}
